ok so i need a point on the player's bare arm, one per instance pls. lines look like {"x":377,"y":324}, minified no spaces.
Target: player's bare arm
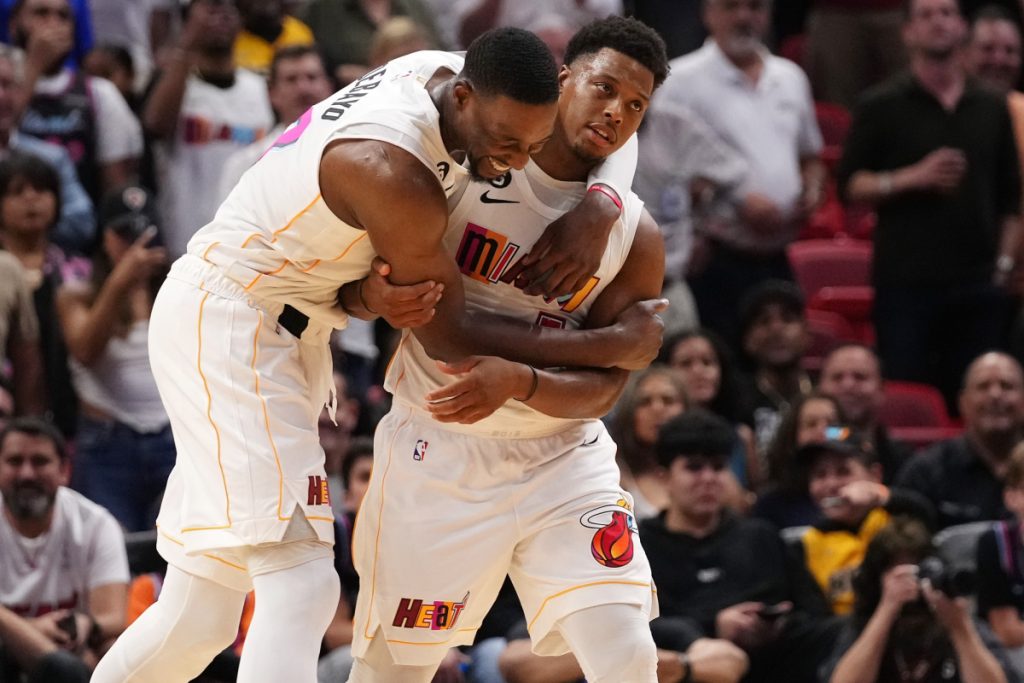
{"x":405,"y":214}
{"x":485,"y":384}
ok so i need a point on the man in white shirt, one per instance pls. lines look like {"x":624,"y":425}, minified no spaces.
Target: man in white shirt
{"x":87,"y":116}
{"x":761,"y":106}
{"x":63,"y":565}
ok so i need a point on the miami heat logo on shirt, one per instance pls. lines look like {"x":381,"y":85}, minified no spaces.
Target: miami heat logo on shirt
{"x":612,"y":545}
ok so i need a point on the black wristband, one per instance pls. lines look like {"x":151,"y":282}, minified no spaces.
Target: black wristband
{"x":533,"y":386}
{"x":684,"y":659}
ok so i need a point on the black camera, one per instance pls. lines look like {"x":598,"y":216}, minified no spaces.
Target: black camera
{"x":954,"y":582}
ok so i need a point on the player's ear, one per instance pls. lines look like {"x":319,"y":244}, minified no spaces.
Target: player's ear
{"x":563,"y":75}
{"x":463,"y":93}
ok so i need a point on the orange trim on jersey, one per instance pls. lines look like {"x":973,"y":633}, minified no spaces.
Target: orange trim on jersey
{"x":209,"y":416}
{"x":209,"y":555}
{"x":394,"y":356}
{"x":645,"y":584}
{"x":276,"y":233}
{"x":250,"y":238}
{"x":311,"y":266}
{"x":207,"y":250}
{"x":339,"y":256}
{"x":266,"y":419}
{"x":380,"y":517}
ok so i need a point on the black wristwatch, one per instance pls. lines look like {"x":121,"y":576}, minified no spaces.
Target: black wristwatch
{"x":684,"y":659}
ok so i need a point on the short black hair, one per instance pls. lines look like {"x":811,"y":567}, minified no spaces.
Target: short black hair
{"x":908,"y":8}
{"x":120,"y":55}
{"x":37,"y":173}
{"x":360,"y":447}
{"x":292,"y":52}
{"x":34,"y":426}
{"x":627,"y":35}
{"x":781,"y":292}
{"x":513,"y":63}
{"x":695,"y":432}
{"x":992,"y":13}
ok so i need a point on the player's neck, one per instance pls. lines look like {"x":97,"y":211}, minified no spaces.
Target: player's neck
{"x":560,"y":162}
{"x":440,"y":93}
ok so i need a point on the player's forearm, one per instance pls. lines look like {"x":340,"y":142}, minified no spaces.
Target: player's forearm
{"x":578,"y":394}
{"x":862,"y":661}
{"x":160,"y":115}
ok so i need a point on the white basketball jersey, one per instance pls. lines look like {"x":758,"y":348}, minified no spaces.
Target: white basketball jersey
{"x":275,"y":235}
{"x":491,"y":227}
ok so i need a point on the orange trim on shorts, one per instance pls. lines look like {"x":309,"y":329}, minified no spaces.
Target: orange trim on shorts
{"x":207,"y":250}
{"x":409,"y":642}
{"x":208,"y":555}
{"x":394,"y":356}
{"x":209,"y":416}
{"x":645,"y":584}
{"x":266,"y":419}
{"x":276,"y":233}
{"x":380,"y":517}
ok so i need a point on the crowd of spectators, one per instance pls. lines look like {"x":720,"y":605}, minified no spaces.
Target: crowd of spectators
{"x":792,"y":535}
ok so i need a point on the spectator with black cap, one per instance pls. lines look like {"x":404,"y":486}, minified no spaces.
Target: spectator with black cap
{"x":844,"y":480}
{"x":125,"y":450}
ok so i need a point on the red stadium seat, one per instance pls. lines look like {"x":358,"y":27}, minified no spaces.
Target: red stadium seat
{"x":830,"y":263}
{"x":827,"y":329}
{"x":854,"y":303}
{"x":909,"y":404}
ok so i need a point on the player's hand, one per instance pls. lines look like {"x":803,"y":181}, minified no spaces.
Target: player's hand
{"x":401,"y":305}
{"x":569,"y":252}
{"x":451,"y":667}
{"x":137,"y":264}
{"x":637,"y":334}
{"x":484,"y":384}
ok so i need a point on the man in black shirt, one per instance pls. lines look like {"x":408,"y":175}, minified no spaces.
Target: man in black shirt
{"x":962,"y":476}
{"x":935,"y":154}
{"x":727,"y":577}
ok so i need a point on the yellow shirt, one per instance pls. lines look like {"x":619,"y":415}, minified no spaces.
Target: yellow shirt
{"x":255,"y":54}
{"x":833,"y":556}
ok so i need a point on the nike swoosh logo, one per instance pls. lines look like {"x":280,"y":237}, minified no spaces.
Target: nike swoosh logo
{"x":486,"y":198}
{"x":591,"y":442}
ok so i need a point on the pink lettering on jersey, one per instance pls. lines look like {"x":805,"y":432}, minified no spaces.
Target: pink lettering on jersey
{"x":292,"y":134}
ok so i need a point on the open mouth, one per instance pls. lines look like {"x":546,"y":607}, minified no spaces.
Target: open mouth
{"x":602,"y":135}
{"x":497,"y":167}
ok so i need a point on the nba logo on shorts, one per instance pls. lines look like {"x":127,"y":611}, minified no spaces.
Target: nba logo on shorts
{"x":419,"y":453}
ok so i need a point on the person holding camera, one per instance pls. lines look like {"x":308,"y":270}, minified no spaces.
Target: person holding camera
{"x":124,"y":447}
{"x":909,"y":624}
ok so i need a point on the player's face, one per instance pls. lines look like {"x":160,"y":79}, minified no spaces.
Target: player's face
{"x":500,"y":133}
{"x":696,"y":484}
{"x":697,"y":363}
{"x":602,"y":102}
{"x":816,"y":415}
{"x":358,"y":482}
{"x":30,"y":474}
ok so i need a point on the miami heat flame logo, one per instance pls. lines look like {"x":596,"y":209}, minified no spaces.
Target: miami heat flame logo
{"x":612,"y":545}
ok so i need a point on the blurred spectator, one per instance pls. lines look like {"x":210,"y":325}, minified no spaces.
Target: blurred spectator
{"x":852,"y":375}
{"x":6,"y":402}
{"x":344,"y":30}
{"x":265,"y":30}
{"x":297,"y":81}
{"x":706,"y":368}
{"x":844,"y":482}
{"x":124,"y":446}
{"x":116,"y":64}
{"x":721,"y":576}
{"x":29,"y":203}
{"x":336,"y":440}
{"x":63,"y":566}
{"x":76,"y":228}
{"x":651,"y":398}
{"x":19,"y":342}
{"x":202,"y":109}
{"x":760,"y":106}
{"x":396,"y":37}
{"x":852,"y":45}
{"x":86,"y":116}
{"x":356,"y":468}
{"x":444,"y":13}
{"x":902,"y":630}
{"x":132,"y":26}
{"x":774,"y":337}
{"x":82,"y":39}
{"x":555,"y":21}
{"x":678,"y":22}
{"x":961,"y":476}
{"x":683,"y":171}
{"x":784,"y":501}
{"x":1000,"y":569}
{"x":934,"y":153}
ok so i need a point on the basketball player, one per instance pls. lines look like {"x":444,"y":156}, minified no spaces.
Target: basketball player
{"x":239,"y":331}
{"x":507,"y":469}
